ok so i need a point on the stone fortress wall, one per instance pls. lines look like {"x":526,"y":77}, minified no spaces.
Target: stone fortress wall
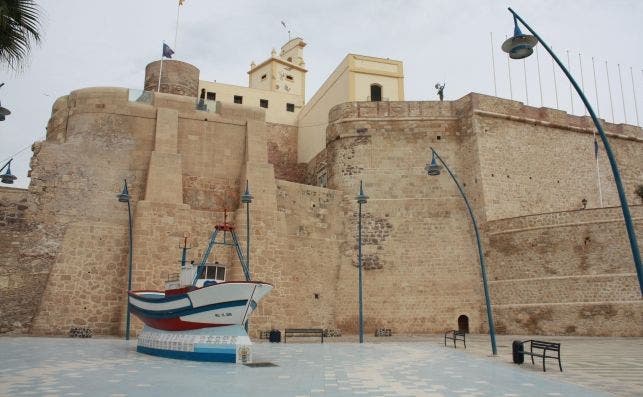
{"x":524,"y":169}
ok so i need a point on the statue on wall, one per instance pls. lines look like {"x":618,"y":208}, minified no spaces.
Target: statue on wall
{"x":440,"y":88}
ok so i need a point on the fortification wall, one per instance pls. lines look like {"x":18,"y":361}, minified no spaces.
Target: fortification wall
{"x":19,"y":298}
{"x":282,"y":152}
{"x":536,"y":161}
{"x":419,"y":254}
{"x":95,"y":139}
{"x":568,"y":272}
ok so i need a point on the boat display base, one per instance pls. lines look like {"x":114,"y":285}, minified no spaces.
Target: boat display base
{"x":228,"y":344}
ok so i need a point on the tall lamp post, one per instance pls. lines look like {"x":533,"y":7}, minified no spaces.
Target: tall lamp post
{"x":521,"y":46}
{"x":124,"y":197}
{"x":7,"y":177}
{"x":246,"y":198}
{"x":433,"y":169}
{"x":361,"y":199}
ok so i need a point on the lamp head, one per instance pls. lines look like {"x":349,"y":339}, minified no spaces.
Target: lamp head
{"x":433,"y":169}
{"x":246,"y":197}
{"x":361,"y":197}
{"x":124,"y":196}
{"x":8,"y":177}
{"x":520,"y":45}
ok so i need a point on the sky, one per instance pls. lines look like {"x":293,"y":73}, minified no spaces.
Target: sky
{"x":96,"y":43}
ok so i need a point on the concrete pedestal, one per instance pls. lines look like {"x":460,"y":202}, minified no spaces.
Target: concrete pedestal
{"x":230,"y":344}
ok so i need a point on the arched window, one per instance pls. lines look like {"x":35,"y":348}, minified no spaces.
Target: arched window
{"x":376,"y":92}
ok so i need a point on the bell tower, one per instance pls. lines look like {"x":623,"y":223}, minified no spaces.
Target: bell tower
{"x":284,"y":73}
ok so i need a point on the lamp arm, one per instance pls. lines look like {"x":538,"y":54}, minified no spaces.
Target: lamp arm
{"x":483,"y":270}
{"x":636,"y":254}
{"x":6,"y":165}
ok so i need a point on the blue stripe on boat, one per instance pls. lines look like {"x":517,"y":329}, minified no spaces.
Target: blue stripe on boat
{"x":194,"y":356}
{"x":186,"y":311}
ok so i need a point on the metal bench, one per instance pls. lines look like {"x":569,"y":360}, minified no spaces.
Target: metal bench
{"x":455,"y":336}
{"x":544,"y":347}
{"x":304,"y":332}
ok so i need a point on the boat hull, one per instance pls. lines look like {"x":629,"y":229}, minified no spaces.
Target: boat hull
{"x":223,"y":304}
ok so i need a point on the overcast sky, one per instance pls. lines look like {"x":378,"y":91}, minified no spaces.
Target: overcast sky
{"x":109,"y":43}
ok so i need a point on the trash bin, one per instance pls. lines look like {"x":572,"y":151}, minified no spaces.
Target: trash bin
{"x":274,"y":336}
{"x":517,"y":350}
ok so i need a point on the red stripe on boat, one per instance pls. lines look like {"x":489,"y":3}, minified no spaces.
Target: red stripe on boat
{"x":175,"y":324}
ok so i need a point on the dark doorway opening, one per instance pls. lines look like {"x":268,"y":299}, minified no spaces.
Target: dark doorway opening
{"x":376,"y":92}
{"x":463,"y":323}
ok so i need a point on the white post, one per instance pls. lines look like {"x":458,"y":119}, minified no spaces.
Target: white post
{"x":176,"y":30}
{"x":636,"y":106}
{"x":493,"y":67}
{"x":158,"y":88}
{"x":620,"y":81}
{"x":540,"y":84}
{"x":582,"y":79}
{"x":598,"y":108}
{"x":609,"y":89}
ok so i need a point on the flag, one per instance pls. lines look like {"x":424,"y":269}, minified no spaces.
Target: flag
{"x":181,"y":2}
{"x":167,"y":51}
{"x":595,"y":148}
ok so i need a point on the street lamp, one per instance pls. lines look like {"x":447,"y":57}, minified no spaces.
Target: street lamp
{"x":7,"y":177}
{"x":124,"y":197}
{"x":246,"y":198}
{"x":520,"y":46}
{"x":361,"y":199}
{"x":433,"y":169}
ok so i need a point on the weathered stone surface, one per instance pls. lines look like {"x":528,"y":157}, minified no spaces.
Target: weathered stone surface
{"x":553,"y":268}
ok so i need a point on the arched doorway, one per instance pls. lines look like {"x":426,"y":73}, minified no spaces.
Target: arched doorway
{"x":376,"y":92}
{"x":463,"y":323}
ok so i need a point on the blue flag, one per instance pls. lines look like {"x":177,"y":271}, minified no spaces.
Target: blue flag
{"x":167,"y":51}
{"x":595,"y":148}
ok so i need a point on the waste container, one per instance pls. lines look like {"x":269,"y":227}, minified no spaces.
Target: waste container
{"x":274,"y":336}
{"x":517,"y":350}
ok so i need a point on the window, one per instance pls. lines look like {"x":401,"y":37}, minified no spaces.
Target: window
{"x":212,"y":96}
{"x":263,"y":77}
{"x":322,"y":179}
{"x":376,"y":92}
{"x":263,"y":103}
{"x":238,"y":99}
{"x":290,"y":107}
{"x":215,"y":271}
{"x":289,"y":59}
{"x":289,"y":77}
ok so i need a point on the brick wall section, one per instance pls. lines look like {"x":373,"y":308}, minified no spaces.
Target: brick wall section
{"x":566,"y":272}
{"x":18,"y":299}
{"x":282,"y":152}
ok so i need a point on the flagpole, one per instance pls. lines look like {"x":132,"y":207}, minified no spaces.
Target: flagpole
{"x":176,"y":30}
{"x":158,"y":88}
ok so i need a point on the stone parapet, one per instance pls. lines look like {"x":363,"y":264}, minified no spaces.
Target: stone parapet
{"x":178,"y":78}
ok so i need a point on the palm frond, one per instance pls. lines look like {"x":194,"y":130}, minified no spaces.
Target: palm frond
{"x":19,"y":30}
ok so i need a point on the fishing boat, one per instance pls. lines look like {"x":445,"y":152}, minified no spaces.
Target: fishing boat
{"x":192,"y":307}
{"x":192,"y":301}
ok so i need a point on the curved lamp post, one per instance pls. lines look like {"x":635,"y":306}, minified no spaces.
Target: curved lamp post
{"x":361,"y":199}
{"x":8,"y":177}
{"x":521,"y":46}
{"x":433,"y":169}
{"x":124,"y":197}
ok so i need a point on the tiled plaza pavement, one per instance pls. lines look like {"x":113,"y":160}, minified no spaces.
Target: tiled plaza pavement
{"x":111,"y":367}
{"x":614,"y":365}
